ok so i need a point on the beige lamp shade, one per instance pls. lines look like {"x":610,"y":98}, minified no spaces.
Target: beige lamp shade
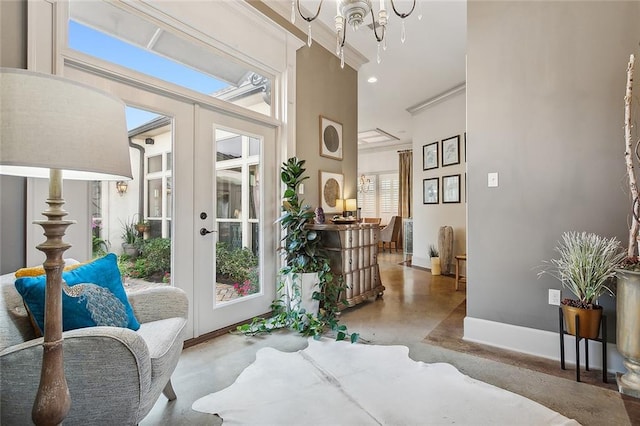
{"x":47,"y":122}
{"x":350,"y":205}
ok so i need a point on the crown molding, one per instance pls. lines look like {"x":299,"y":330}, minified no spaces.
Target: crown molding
{"x":320,"y":32}
{"x":428,"y":103}
{"x":384,"y":148}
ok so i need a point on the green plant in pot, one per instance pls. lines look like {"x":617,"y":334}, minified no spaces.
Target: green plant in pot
{"x":129,"y":238}
{"x":586,"y":266}
{"x":309,"y":293}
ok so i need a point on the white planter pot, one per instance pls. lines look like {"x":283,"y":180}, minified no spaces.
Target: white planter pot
{"x":299,"y":291}
{"x":435,"y":266}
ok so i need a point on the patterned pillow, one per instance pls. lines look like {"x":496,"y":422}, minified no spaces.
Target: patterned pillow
{"x":92,"y":295}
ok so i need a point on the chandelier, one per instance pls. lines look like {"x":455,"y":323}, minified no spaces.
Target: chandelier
{"x":363,"y":186}
{"x":354,"y":12}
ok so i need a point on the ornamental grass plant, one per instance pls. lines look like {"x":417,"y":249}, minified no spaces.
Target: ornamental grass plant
{"x":586,"y":264}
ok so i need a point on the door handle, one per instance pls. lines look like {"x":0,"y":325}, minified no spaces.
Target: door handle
{"x":205,"y":231}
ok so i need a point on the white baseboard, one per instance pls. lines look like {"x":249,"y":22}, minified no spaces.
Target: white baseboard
{"x":540,"y":343}
{"x":422,"y":262}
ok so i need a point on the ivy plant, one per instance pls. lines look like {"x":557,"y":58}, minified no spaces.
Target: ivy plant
{"x":302,"y":253}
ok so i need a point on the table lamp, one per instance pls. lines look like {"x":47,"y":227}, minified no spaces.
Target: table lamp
{"x":350,"y":206}
{"x":57,"y":128}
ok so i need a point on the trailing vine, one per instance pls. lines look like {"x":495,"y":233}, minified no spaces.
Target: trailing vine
{"x":302,"y":253}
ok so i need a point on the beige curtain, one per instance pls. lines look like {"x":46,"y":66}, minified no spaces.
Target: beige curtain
{"x":405,"y":178}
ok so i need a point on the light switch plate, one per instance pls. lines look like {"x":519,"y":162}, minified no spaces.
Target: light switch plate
{"x":301,"y":189}
{"x":492,"y":179}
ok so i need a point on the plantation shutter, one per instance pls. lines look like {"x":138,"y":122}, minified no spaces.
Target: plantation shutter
{"x":389,"y":187}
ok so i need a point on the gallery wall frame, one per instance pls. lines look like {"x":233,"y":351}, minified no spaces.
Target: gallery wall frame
{"x":451,"y":189}
{"x":430,"y":156}
{"x":330,"y":138}
{"x":465,"y":146}
{"x":331,"y":188}
{"x":430,"y":190}
{"x":451,"y":151}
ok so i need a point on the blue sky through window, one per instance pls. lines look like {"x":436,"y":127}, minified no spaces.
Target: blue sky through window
{"x":103,"y":46}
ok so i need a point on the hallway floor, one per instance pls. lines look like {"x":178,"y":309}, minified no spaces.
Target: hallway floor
{"x":425,"y":314}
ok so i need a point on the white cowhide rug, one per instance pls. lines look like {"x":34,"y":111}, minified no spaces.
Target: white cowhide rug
{"x":339,"y":383}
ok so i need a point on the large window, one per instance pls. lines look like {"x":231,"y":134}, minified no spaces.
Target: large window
{"x":106,"y":31}
{"x":158,"y":194}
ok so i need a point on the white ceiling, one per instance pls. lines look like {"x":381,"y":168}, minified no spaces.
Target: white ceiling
{"x":428,"y":64}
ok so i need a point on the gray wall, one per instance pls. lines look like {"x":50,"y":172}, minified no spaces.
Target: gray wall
{"x":13,"y":54}
{"x":323,"y":88}
{"x":545,"y":87}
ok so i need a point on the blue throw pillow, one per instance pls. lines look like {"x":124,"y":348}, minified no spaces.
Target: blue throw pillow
{"x":93,"y":295}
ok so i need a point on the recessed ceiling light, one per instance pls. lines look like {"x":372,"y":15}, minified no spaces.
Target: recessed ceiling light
{"x":372,"y":79}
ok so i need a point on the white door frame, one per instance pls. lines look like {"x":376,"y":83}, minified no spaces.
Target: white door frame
{"x":210,"y":315}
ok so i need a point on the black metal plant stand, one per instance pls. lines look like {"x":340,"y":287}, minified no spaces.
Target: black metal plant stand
{"x":602,"y":340}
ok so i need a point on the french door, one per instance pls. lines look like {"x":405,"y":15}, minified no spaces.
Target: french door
{"x":215,"y":153}
{"x":235,"y":249}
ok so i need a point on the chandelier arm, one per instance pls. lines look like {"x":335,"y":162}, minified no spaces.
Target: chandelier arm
{"x":403,"y":15}
{"x":375,"y":31}
{"x":344,"y":31}
{"x":312,"y":18}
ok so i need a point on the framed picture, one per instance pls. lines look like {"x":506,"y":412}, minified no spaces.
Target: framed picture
{"x":330,"y":138}
{"x":465,"y":146}
{"x":451,"y":189}
{"x":430,"y":156}
{"x":331,"y":185}
{"x":430,"y":190}
{"x":451,"y":151}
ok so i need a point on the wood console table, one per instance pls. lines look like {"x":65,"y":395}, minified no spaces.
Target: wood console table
{"x":353,"y":253}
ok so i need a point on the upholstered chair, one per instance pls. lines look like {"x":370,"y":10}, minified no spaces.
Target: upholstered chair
{"x":391,"y":232}
{"x":115,"y":375}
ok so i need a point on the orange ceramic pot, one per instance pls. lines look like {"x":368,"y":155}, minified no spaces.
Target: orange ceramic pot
{"x":589,"y":320}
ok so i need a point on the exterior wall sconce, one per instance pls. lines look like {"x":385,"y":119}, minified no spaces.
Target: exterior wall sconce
{"x":121,"y":187}
{"x":149,"y":141}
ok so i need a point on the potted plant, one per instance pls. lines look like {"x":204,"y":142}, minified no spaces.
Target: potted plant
{"x":586,"y":265}
{"x":628,"y":275}
{"x":129,"y":238}
{"x":434,"y":255}
{"x":310,"y":296}
{"x":303,"y":256}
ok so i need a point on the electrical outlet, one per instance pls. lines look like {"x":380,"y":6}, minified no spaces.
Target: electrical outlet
{"x":554,"y":297}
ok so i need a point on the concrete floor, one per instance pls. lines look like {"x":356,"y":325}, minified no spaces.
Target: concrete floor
{"x":423,"y":313}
